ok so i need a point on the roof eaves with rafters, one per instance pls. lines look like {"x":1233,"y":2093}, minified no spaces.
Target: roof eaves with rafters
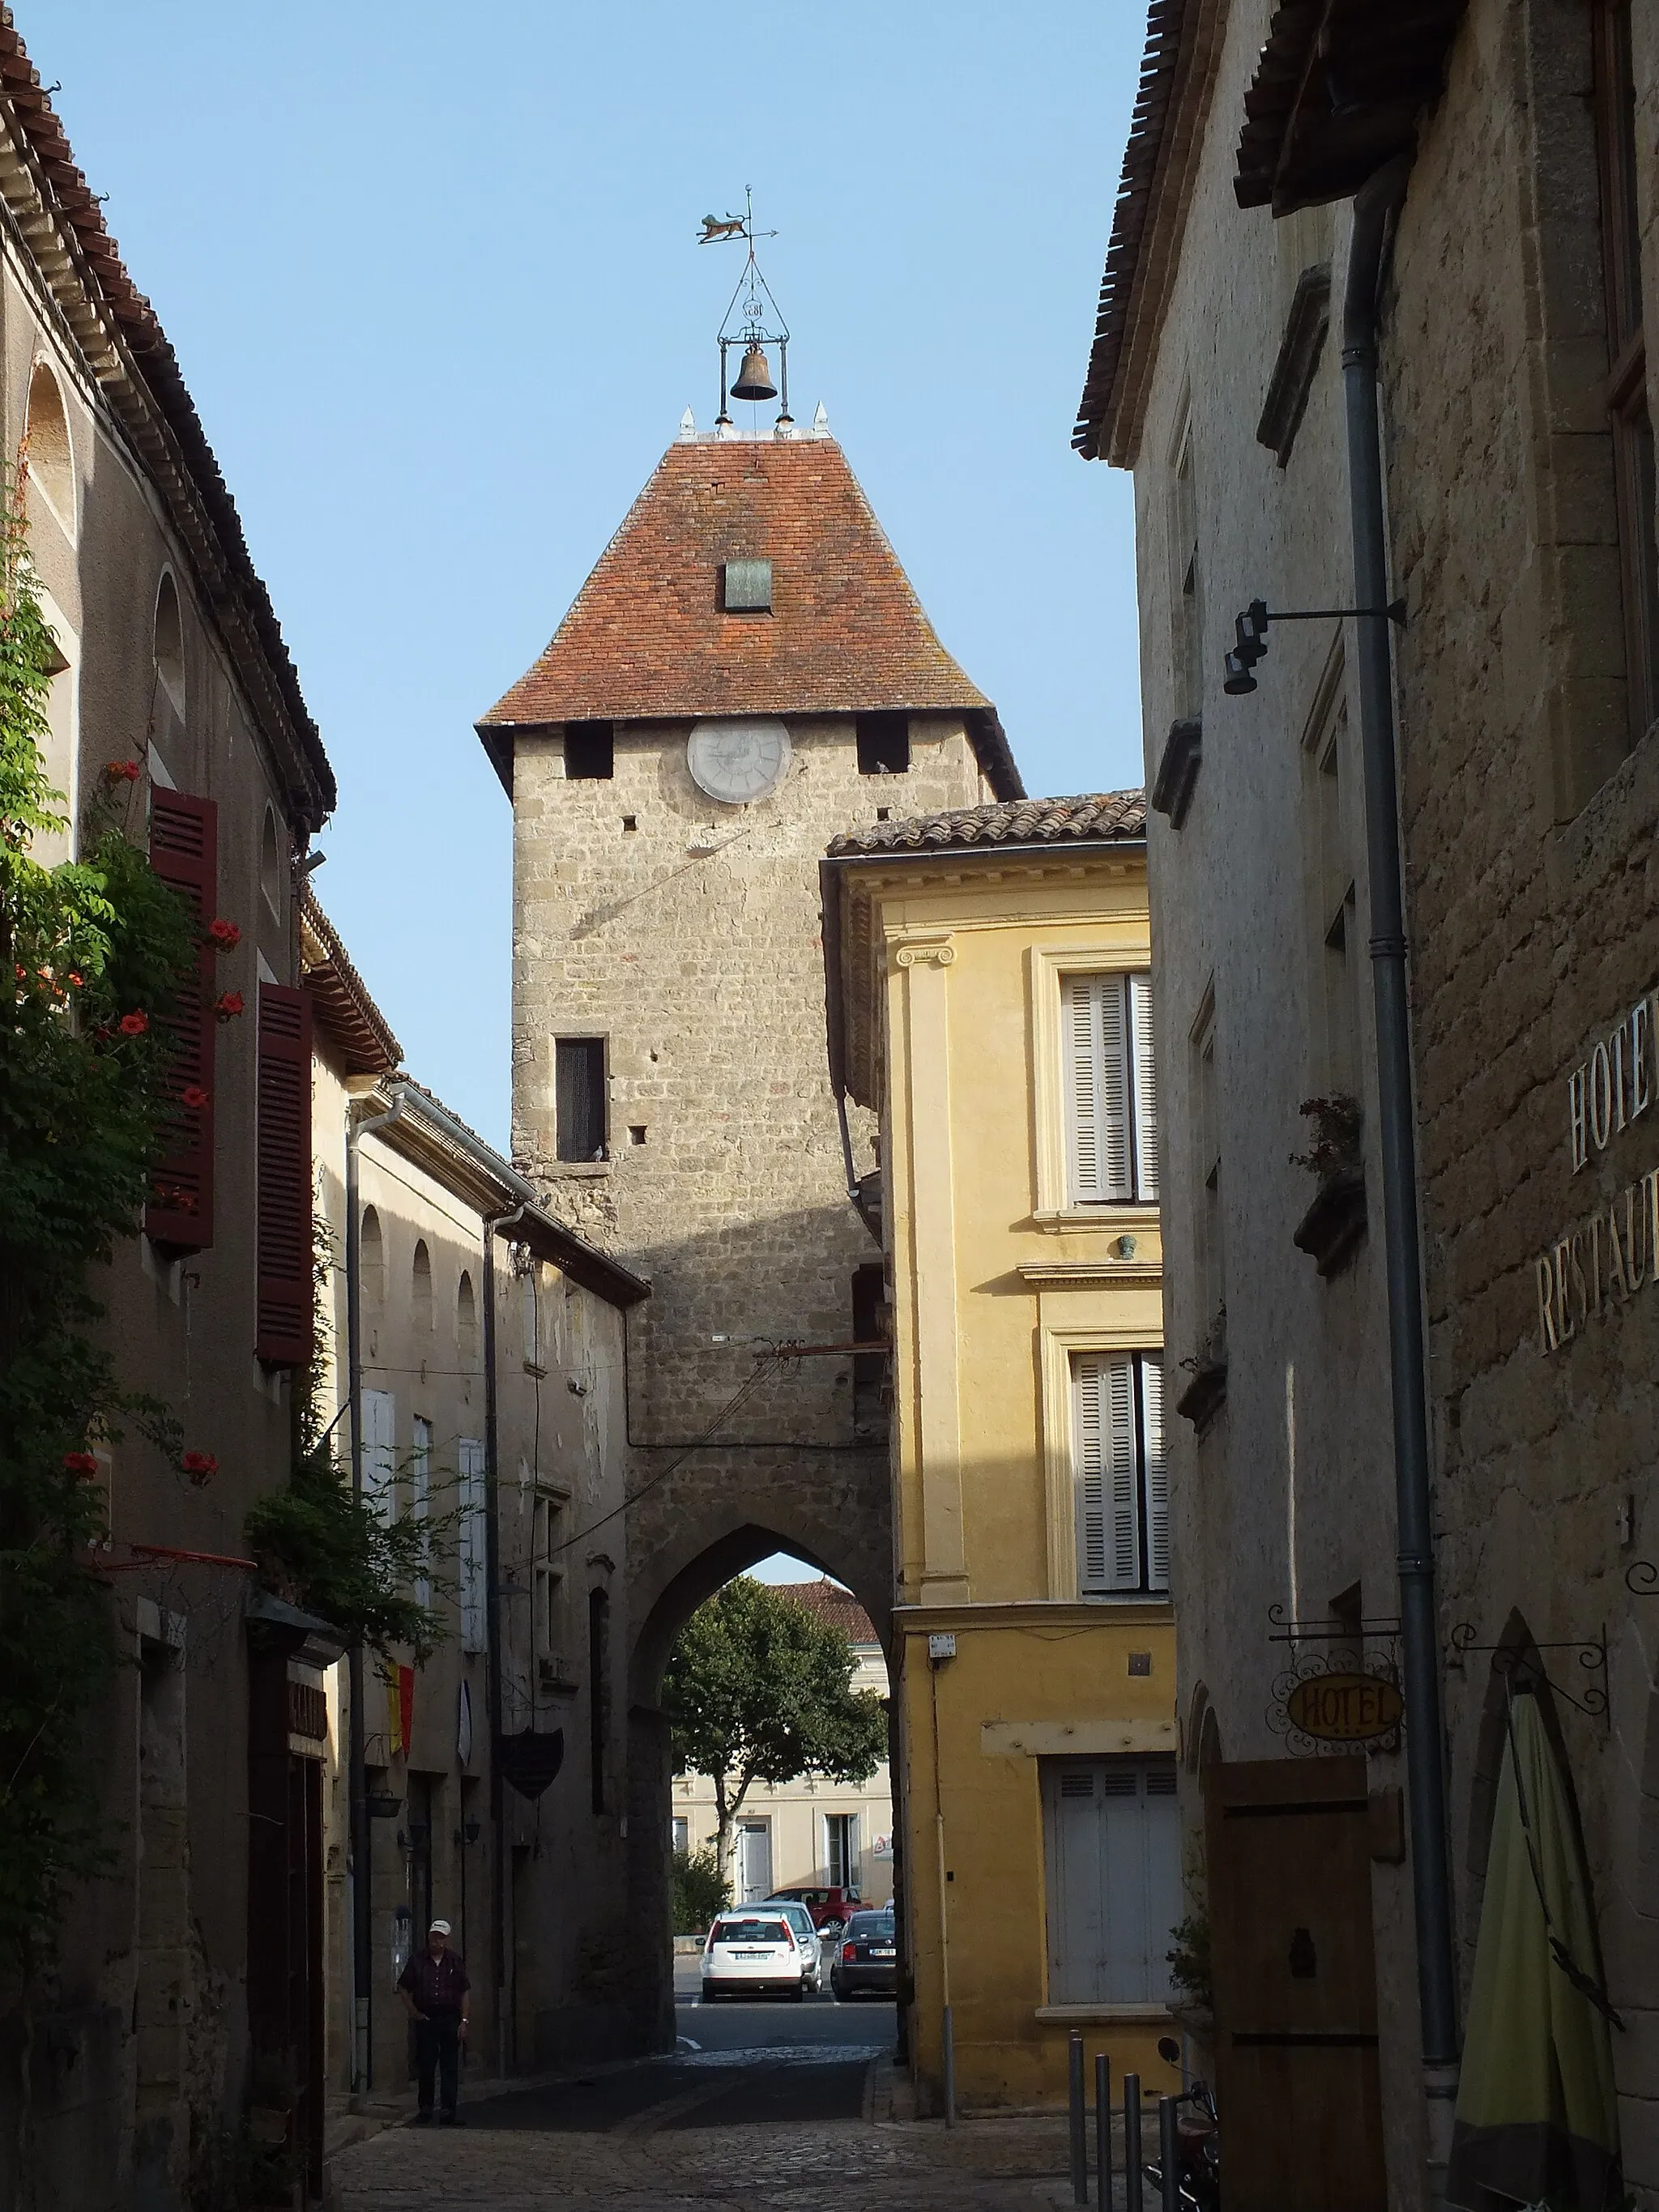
{"x":345,"y":1012}
{"x":1160,"y":167}
{"x":100,"y":312}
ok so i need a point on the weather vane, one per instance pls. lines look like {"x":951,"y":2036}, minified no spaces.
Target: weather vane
{"x":751,"y":320}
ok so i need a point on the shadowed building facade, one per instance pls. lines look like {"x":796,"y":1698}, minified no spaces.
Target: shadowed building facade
{"x":746,"y":671}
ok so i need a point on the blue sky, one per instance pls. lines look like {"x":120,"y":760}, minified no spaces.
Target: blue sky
{"x":432,"y":278}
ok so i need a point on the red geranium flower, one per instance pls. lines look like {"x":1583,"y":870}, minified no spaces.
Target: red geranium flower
{"x":201,"y":1466}
{"x":194,"y":1097}
{"x":77,"y":979}
{"x":123,"y":771}
{"x":228,"y":1005}
{"x":135,"y":1023}
{"x":225,"y":934}
{"x":81,"y":1462}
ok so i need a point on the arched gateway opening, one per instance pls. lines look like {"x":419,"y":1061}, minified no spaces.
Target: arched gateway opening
{"x":857,"y":1556}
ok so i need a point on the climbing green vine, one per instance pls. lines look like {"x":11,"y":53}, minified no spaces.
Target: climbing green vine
{"x":91,"y":954}
{"x":337,"y":1555}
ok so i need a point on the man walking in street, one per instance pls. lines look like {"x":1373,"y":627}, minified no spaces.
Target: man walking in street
{"x":435,"y":1993}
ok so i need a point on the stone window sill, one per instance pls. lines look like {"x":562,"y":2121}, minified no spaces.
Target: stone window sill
{"x":1334,"y":1227}
{"x":1124,"y":2016}
{"x":1111,"y":1218}
{"x":574,"y":1170}
{"x":1204,"y":1396}
{"x":1177,"y":771}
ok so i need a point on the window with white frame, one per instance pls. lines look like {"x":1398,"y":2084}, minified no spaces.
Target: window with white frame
{"x":840,"y":1849}
{"x":381,"y":1453}
{"x":474,"y":1544}
{"x":1110,"y":1091}
{"x":1113,"y":1832}
{"x":679,"y":1833}
{"x":546,"y":1574}
{"x":1122,"y":1487}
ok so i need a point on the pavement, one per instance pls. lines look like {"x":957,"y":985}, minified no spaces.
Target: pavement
{"x":768,"y":2107}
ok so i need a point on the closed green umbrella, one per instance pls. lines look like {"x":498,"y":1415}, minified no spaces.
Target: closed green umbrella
{"x":1537,"y":2116}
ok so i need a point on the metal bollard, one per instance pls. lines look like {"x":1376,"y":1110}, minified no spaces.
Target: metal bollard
{"x":1132,"y":2173}
{"x":1168,"y":2152}
{"x":1103,"y":2131}
{"x":1079,"y":2116}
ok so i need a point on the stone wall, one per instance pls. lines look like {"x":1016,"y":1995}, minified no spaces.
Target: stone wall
{"x":1534,"y":886}
{"x":691,"y":941}
{"x":1530,"y":887}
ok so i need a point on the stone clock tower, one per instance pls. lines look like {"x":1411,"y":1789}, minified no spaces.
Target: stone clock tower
{"x":745,"y":672}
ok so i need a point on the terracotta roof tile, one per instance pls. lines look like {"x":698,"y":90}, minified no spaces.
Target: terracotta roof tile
{"x":647,"y":638}
{"x":835,"y":1606}
{"x":1096,"y":817}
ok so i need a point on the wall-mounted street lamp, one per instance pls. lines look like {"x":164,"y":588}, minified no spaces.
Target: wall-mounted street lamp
{"x":1251,"y":630}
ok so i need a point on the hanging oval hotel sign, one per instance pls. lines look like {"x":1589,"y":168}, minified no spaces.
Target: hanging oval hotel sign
{"x":1344,"y":1708}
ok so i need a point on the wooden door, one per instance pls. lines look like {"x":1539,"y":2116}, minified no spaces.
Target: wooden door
{"x":1294,"y":1986}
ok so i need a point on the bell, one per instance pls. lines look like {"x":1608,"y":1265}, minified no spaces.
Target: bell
{"x":755,"y":377}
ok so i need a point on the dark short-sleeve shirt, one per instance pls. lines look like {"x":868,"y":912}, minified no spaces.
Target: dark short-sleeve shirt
{"x":437,"y":1985}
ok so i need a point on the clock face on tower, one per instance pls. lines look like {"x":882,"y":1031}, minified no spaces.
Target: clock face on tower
{"x":735,"y":759}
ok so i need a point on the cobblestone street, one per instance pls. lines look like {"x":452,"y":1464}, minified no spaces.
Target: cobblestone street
{"x":803,"y":2127}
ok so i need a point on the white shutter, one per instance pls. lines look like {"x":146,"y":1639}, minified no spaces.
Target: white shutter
{"x":419,"y":1503}
{"x":1088,"y":1452}
{"x":380,"y":1452}
{"x":1146,"y":1085}
{"x":1123,"y":1466}
{"x":1094,"y":1012}
{"x":474,"y":1545}
{"x":1158,"y":1475}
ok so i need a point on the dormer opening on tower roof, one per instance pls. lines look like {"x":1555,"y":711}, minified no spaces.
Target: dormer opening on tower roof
{"x":746,"y":587}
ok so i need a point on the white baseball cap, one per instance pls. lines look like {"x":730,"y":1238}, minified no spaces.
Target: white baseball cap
{"x":439,"y":1927}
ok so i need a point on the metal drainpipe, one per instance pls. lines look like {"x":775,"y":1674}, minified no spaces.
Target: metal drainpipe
{"x":493,"y":1224}
{"x":362,"y":1934}
{"x":1374,"y":205}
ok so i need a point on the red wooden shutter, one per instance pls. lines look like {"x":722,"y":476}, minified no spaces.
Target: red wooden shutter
{"x":184,"y":851}
{"x":285,"y":1285}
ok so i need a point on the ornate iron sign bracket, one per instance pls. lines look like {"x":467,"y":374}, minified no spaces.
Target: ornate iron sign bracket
{"x":1337,"y":1647}
{"x":1508,"y":1659}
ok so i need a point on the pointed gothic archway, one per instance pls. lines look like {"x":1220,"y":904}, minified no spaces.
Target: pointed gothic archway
{"x":683,"y":1584}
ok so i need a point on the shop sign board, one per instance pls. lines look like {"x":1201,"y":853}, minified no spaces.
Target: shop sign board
{"x":1344,"y":1708}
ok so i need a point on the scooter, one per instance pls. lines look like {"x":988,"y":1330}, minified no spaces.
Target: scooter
{"x":1198,"y":2174}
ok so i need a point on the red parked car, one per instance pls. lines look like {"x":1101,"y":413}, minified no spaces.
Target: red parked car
{"x":829,"y":1908}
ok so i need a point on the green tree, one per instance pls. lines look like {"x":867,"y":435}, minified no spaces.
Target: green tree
{"x":757,"y":1689}
{"x":699,"y":1890}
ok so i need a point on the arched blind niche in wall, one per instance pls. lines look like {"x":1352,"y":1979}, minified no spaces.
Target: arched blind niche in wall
{"x":1121,"y":1487}
{"x":1111,"y":1093}
{"x":51,"y":457}
{"x":169,"y":657}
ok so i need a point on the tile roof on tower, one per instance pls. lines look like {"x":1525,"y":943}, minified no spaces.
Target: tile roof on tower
{"x":1096,"y":817}
{"x":648,"y":638}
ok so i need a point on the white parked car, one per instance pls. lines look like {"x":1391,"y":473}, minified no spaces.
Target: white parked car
{"x":752,"y":1951}
{"x":807,"y":1934}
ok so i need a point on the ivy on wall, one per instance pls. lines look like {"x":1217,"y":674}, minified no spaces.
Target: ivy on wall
{"x":352,"y":1561}
{"x":91,"y":954}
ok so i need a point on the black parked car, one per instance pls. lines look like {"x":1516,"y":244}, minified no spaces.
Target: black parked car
{"x":867,"y":1958}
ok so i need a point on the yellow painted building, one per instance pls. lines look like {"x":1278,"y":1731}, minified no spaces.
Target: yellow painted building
{"x":988,"y":1002}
